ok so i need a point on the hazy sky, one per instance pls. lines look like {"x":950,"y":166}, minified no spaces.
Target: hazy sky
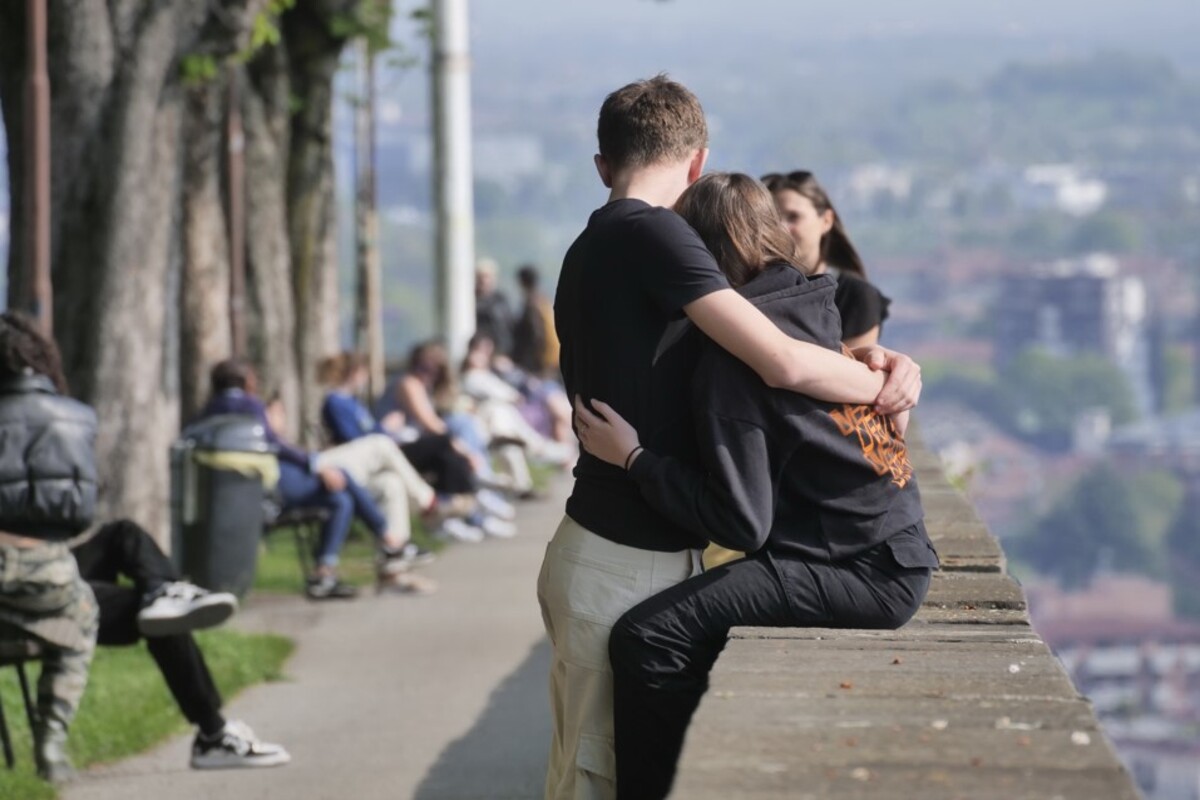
{"x":1173,"y":22}
{"x":591,"y":46}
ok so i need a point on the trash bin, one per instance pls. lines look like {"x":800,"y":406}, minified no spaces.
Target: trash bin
{"x":219,"y":470}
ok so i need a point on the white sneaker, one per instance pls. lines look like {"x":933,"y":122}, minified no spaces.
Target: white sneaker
{"x":179,"y":607}
{"x":555,"y":453}
{"x":499,"y":528}
{"x":236,"y":746}
{"x":494,"y":505}
{"x":459,"y":530}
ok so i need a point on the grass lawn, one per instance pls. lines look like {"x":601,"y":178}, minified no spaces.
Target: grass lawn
{"x":278,"y":568}
{"x":127,"y":707}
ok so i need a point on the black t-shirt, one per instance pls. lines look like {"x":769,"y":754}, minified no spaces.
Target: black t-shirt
{"x":861,"y":305}
{"x":624,"y":280}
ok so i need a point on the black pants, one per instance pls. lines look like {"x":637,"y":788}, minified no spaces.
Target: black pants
{"x":125,"y":549}
{"x":663,"y":649}
{"x":435,"y":455}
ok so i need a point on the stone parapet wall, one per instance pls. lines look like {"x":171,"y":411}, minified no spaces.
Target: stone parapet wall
{"x":966,"y":701}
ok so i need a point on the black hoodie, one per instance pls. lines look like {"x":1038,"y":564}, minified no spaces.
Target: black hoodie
{"x":781,"y":470}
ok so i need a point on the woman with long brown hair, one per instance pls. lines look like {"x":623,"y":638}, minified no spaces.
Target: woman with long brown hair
{"x":820,"y":496}
{"x":823,"y":246}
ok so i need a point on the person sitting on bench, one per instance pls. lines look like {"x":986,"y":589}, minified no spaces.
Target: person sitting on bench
{"x":164,"y":610}
{"x":305,"y":483}
{"x":47,"y":495}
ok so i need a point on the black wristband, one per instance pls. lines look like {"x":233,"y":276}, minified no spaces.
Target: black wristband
{"x":632,"y":453}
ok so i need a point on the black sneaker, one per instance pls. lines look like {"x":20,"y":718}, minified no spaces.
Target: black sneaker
{"x":328,"y":587}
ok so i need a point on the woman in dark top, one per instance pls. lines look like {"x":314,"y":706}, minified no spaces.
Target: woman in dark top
{"x":824,"y":245}
{"x":820,"y":496}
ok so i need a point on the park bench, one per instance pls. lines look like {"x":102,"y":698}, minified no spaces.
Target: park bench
{"x":305,"y":525}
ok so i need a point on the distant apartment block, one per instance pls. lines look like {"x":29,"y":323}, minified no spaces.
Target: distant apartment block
{"x":1077,"y":306}
{"x":1072,"y":306}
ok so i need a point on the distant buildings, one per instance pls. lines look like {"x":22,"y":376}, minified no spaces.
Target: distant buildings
{"x":1060,"y":187}
{"x":870,"y":184}
{"x":1172,"y":442}
{"x":1072,"y":306}
{"x":1076,"y":306}
{"x":1140,"y":667}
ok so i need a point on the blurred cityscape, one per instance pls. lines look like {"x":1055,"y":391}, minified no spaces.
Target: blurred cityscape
{"x":1023,"y":180}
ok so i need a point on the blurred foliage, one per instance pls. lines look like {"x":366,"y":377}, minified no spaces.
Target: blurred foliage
{"x":266,"y":27}
{"x":199,"y":68}
{"x":1105,"y":521}
{"x":1108,"y":74}
{"x":1183,"y":542}
{"x":368,"y":19}
{"x":1037,"y":396}
{"x":1179,"y":381}
{"x":1107,"y":231}
{"x":1050,"y":392}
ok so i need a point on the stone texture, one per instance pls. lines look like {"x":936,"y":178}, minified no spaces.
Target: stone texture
{"x":965,"y":701}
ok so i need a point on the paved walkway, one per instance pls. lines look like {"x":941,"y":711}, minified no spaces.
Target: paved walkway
{"x":432,"y":698}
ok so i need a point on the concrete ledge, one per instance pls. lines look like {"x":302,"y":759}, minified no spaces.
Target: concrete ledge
{"x":966,"y":701}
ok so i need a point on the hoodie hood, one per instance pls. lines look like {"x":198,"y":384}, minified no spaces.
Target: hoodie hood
{"x":801,"y":306}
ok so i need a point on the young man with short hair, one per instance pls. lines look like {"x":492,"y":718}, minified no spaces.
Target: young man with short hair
{"x":634,"y":271}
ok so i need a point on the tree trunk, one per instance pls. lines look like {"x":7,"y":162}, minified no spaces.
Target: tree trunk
{"x":116,"y":167}
{"x":205,"y":334}
{"x":138,"y":235}
{"x":271,"y":314}
{"x":313,"y":52}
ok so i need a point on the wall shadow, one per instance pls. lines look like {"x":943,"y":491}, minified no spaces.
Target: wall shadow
{"x":503,"y":756}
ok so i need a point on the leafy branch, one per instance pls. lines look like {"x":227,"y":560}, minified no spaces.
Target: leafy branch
{"x":200,"y":68}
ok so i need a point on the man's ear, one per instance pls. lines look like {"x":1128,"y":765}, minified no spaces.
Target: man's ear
{"x":696,"y":165}
{"x":602,"y":170}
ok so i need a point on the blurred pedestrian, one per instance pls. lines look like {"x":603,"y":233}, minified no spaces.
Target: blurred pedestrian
{"x":535,"y":341}
{"x":493,"y":313}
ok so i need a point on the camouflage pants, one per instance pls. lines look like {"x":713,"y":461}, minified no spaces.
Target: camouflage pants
{"x":43,"y":597}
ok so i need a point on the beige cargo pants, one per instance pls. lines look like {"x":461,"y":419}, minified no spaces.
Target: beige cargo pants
{"x":585,"y":585}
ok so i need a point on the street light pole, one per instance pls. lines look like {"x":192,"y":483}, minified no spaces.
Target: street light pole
{"x":39,"y":300}
{"x":452,"y":187}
